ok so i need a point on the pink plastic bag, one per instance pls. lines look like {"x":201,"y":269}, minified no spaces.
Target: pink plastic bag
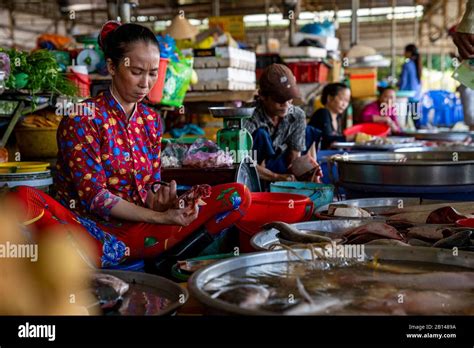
{"x":206,"y":154}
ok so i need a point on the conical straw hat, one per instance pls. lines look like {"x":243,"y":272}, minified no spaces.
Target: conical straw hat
{"x":180,"y":29}
{"x":361,"y":51}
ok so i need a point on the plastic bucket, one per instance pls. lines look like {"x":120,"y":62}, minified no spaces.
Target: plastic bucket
{"x":82,"y":82}
{"x":376,"y":129}
{"x":320,"y":194}
{"x":156,"y":92}
{"x":270,"y":206}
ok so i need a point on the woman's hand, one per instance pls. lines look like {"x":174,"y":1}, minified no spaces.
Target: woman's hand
{"x":465,"y":44}
{"x":180,"y":217}
{"x":165,"y":198}
{"x":285,"y":177}
{"x":318,"y":174}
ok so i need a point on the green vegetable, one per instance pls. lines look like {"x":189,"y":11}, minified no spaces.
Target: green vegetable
{"x":21,"y":80}
{"x":41,"y":71}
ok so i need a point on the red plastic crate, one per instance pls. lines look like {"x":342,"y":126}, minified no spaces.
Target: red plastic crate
{"x":309,"y":72}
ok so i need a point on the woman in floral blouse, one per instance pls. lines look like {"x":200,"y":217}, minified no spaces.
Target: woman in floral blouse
{"x":109,"y":156}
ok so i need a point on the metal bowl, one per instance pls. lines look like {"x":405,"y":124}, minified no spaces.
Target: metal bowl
{"x":330,"y":228}
{"x":407,"y":168}
{"x":225,"y":111}
{"x":199,"y":279}
{"x":457,"y":148}
{"x":161,"y":286}
{"x":439,"y":135}
{"x":377,"y":204}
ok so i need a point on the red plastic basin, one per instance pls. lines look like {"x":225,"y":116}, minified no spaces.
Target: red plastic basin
{"x":269,"y":206}
{"x":376,"y":129}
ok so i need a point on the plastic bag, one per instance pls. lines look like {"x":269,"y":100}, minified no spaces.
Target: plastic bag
{"x":167,"y":47}
{"x":173,"y":155}
{"x":177,"y":80}
{"x":204,"y":153}
{"x":325,"y":28}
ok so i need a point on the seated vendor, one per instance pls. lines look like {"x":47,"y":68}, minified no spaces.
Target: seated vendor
{"x":382,"y":110}
{"x":109,"y":160}
{"x":278,"y":128}
{"x":335,"y":98}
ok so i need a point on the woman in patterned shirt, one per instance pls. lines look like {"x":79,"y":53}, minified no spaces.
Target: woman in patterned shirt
{"x":109,"y":156}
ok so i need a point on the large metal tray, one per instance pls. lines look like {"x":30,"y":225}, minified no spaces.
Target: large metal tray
{"x":398,"y":142}
{"x":162,"y":286}
{"x":457,"y":148}
{"x":376,"y":204}
{"x":406,"y":168}
{"x":199,"y":279}
{"x":264,"y":239}
{"x":434,"y":135}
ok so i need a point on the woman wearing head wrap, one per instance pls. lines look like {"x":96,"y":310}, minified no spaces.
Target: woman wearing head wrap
{"x":110,"y":156}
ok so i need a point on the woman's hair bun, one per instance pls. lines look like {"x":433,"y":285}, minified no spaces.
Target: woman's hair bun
{"x":107,"y":28}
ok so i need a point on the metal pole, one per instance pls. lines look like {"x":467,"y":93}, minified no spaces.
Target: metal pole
{"x":216,"y":10}
{"x":12,"y":22}
{"x":354,"y":23}
{"x":416,"y":25}
{"x":292,"y":27}
{"x":112,"y":10}
{"x":124,"y":10}
{"x":393,"y":38}
{"x":267,"y":25}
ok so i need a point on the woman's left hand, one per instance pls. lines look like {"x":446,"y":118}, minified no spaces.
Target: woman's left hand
{"x":165,"y":198}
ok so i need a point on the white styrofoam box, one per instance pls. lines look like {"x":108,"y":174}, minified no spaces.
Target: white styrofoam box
{"x":226,"y":74}
{"x":329,"y":43}
{"x":227,"y":57}
{"x":223,"y":85}
{"x":306,"y":52}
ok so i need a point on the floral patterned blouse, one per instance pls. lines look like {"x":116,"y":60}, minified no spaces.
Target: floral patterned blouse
{"x":103,"y":157}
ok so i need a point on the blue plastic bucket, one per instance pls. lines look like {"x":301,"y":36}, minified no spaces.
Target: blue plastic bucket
{"x":320,"y":194}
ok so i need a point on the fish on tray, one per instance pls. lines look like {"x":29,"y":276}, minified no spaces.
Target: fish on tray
{"x":246,"y":295}
{"x":444,"y":215}
{"x":372,"y":231}
{"x":143,"y":302}
{"x":440,"y":237}
{"x":109,"y":290}
{"x":314,"y":306}
{"x":427,"y":232}
{"x":386,"y":300}
{"x":424,"y":281}
{"x":344,"y":210}
{"x":462,"y":239}
{"x":290,"y":233}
